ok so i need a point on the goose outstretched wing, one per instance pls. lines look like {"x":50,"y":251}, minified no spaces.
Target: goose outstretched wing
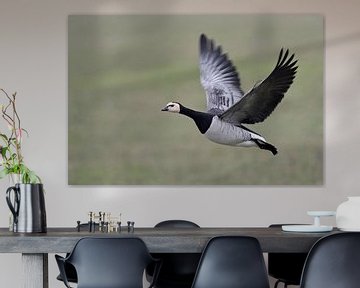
{"x":218,"y":77}
{"x":260,"y":101}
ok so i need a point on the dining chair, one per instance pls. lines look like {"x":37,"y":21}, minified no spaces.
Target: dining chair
{"x":231,"y":262}
{"x":108,"y":263}
{"x":285,"y":267}
{"x":178,"y":269}
{"x":69,"y":269}
{"x":333,"y":262}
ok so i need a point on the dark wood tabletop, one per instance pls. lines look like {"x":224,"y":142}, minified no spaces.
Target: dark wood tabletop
{"x":158,"y":240}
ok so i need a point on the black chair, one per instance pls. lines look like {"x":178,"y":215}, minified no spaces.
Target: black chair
{"x":69,"y":269}
{"x":108,"y":262}
{"x":176,"y":224}
{"x":232,"y":262}
{"x":286,"y":267}
{"x":333,"y":262}
{"x":178,"y":269}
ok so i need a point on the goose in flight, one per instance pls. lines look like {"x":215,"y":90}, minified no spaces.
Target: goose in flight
{"x":228,"y":107}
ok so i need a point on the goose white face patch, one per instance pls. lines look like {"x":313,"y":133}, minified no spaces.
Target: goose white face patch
{"x":173,"y":107}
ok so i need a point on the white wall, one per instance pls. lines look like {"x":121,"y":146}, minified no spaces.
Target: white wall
{"x":33,"y":62}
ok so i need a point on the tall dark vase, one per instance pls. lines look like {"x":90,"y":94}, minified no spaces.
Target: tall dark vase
{"x":27,"y":204}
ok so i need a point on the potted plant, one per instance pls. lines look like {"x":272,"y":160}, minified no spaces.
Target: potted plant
{"x":11,"y":158}
{"x":25,"y":197}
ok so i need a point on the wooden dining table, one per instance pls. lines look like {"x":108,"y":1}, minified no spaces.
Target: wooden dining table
{"x":35,"y":247}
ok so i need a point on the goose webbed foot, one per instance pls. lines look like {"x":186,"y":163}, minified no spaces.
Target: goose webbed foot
{"x":266,"y":146}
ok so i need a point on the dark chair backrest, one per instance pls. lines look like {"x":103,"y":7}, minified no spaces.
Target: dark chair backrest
{"x":110,"y":262}
{"x":176,"y":224}
{"x":70,"y":271}
{"x":232,"y":262}
{"x":333,"y":262}
{"x":178,"y":269}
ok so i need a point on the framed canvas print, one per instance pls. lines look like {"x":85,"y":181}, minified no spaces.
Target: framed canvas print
{"x":126,"y":72}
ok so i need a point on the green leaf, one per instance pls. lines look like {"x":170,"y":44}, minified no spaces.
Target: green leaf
{"x":33,"y":178}
{"x":27,"y":133}
{"x":4,"y":137}
{"x":3,"y":151}
{"x":4,"y":173}
{"x":27,"y":175}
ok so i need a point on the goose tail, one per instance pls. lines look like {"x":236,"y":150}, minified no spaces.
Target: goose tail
{"x":266,"y":146}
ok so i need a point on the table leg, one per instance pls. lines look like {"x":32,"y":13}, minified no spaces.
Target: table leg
{"x":35,"y":270}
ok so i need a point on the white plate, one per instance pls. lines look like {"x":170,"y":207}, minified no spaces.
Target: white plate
{"x":321,"y":213}
{"x":306,"y":228}
{"x":350,"y":229}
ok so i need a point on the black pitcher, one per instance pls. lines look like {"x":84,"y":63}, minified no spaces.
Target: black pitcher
{"x":28,"y":207}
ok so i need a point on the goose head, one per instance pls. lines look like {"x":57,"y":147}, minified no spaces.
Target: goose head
{"x":172,"y":107}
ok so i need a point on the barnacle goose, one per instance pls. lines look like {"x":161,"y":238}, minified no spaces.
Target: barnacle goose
{"x":228,"y":107}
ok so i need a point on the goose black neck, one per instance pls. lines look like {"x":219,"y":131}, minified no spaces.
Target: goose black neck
{"x":201,"y":119}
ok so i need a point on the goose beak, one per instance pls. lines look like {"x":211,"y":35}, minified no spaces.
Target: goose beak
{"x":165,"y":109}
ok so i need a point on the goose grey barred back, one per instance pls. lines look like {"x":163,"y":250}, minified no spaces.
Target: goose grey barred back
{"x":228,"y":107}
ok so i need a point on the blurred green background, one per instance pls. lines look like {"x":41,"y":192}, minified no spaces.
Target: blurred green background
{"x":124,"y":68}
